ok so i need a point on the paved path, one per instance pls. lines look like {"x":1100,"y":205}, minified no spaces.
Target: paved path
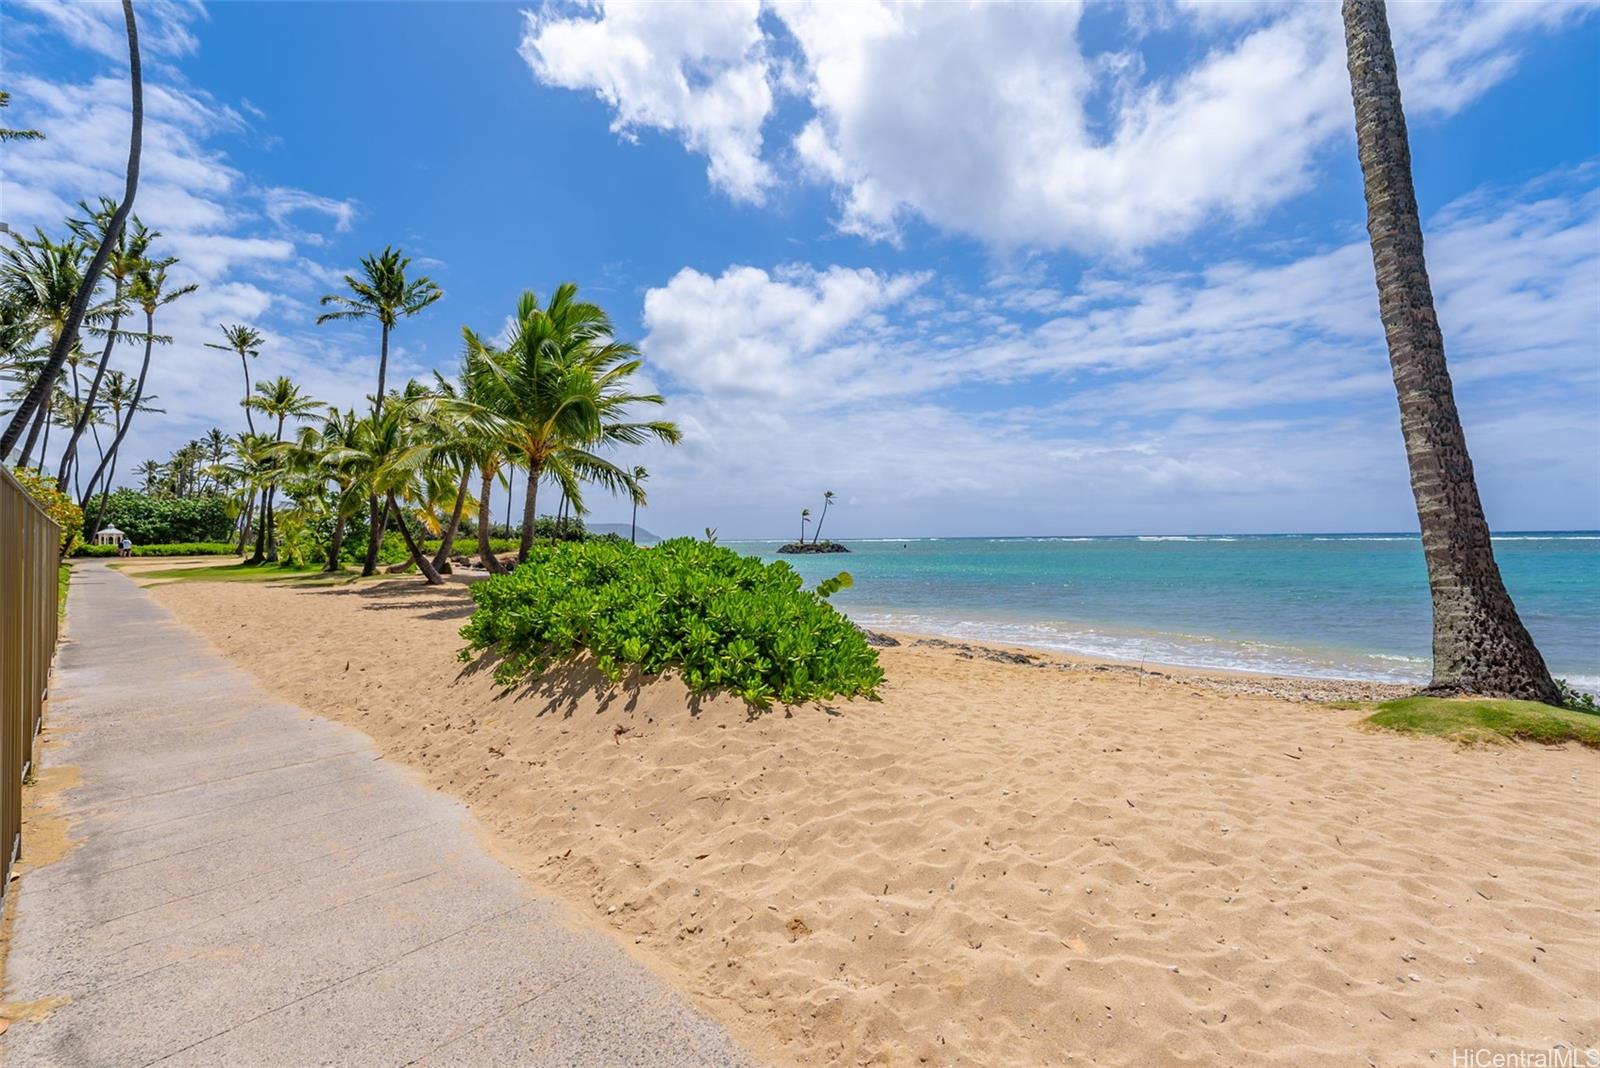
{"x":253,"y":885}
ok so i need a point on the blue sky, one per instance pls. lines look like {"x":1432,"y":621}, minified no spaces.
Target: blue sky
{"x":979,"y":270}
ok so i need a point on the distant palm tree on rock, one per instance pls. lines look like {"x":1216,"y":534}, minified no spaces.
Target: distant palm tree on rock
{"x":827,"y":499}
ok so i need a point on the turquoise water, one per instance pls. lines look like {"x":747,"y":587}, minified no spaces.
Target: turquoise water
{"x":1337,"y":605}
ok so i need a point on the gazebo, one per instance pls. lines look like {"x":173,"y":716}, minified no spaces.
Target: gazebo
{"x":108,"y":536}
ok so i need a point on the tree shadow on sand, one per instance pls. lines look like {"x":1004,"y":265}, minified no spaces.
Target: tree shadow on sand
{"x":425,"y":602}
{"x":562,"y":688}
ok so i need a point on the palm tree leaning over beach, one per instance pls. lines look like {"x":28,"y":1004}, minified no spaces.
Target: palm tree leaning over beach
{"x":1479,"y":642}
{"x":282,"y":400}
{"x":383,"y":293}
{"x":68,"y":337}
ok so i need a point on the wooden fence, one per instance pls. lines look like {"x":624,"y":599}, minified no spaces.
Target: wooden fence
{"x":30,"y":553}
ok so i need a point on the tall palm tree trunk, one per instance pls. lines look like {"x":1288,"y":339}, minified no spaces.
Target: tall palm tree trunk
{"x":486,"y":555}
{"x":633,"y":526}
{"x":447,"y":543}
{"x":91,"y":276}
{"x":1479,"y":643}
{"x":249,"y":420}
{"x":122,"y":430}
{"x":69,"y":455}
{"x":41,"y":422}
{"x":383,"y":368}
{"x":375,"y":524}
{"x":422,"y":562}
{"x":530,"y":501}
{"x":336,"y":543}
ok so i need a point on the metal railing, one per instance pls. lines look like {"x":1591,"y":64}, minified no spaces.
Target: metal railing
{"x":30,"y":553}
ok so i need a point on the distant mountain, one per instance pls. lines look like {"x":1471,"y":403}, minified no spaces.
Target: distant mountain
{"x":621,"y":529}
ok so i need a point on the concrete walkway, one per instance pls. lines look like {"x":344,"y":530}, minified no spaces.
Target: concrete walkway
{"x":253,"y":885}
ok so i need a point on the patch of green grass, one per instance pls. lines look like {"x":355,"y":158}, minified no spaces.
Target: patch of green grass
{"x":63,"y":579}
{"x":1472,"y":719}
{"x":240,"y":572}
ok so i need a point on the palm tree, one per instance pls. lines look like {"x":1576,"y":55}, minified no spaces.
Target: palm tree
{"x":389,"y":455}
{"x":122,"y":398}
{"x":15,"y":135}
{"x":125,"y":260}
{"x":42,"y":279}
{"x":280,"y":399}
{"x":805,"y":518}
{"x":1479,"y":642}
{"x":149,"y":290}
{"x":385,"y":294}
{"x":150,"y":474}
{"x":246,"y":341}
{"x":327,"y":454}
{"x":91,"y":277}
{"x":827,"y":499}
{"x":636,"y":491}
{"x":561,"y":385}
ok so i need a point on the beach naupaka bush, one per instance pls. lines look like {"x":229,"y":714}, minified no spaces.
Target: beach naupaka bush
{"x":722,"y":620}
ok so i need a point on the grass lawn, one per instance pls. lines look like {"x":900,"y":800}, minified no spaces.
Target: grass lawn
{"x":149,"y":570}
{"x":63,"y":577}
{"x":1473,"y":720}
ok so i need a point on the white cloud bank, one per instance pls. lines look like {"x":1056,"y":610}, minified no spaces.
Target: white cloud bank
{"x":1001,"y":121}
{"x":1259,"y":393}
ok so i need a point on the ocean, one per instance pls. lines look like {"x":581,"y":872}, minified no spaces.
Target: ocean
{"x":1318,"y":605}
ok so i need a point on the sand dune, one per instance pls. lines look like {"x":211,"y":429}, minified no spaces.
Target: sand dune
{"x":999,"y":864}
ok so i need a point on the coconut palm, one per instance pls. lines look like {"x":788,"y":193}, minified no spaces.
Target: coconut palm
{"x":389,"y":455}
{"x":7,"y":134}
{"x":246,"y":341}
{"x":149,"y":291}
{"x":383,"y":293}
{"x":805,"y":519}
{"x":121,"y":397}
{"x":279,"y":399}
{"x":41,"y":279}
{"x":827,"y":499}
{"x":68,"y":337}
{"x":125,"y":260}
{"x":636,"y":492}
{"x":150,"y":473}
{"x":561,"y":384}
{"x":1479,"y":642}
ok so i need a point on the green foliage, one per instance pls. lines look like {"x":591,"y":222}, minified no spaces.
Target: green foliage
{"x":1577,"y":700}
{"x":184,"y":548}
{"x":165,"y":520}
{"x":59,"y":506}
{"x":63,"y":580}
{"x":830,"y":586}
{"x":725,"y":621}
{"x":1482,"y":720}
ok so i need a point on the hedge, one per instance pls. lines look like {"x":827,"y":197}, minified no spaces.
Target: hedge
{"x":182,"y":548}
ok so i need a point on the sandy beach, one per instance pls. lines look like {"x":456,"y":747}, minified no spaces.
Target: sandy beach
{"x":1002,"y":862}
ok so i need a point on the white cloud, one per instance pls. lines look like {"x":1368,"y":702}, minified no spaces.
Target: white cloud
{"x":799,"y":334}
{"x":698,"y":70}
{"x":1248,"y":391}
{"x":100,"y":27}
{"x":235,"y":241}
{"x":996,"y":121}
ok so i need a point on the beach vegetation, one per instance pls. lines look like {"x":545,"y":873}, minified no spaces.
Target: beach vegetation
{"x":58,"y":505}
{"x":182,"y":548}
{"x":721,"y":620}
{"x":1475,"y":720}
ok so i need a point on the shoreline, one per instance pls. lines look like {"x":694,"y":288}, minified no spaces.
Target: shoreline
{"x":1009,"y":858}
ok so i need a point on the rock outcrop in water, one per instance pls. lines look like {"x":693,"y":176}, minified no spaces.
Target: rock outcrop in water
{"x":812,"y":547}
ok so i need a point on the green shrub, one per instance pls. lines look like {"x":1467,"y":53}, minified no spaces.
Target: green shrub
{"x":167,"y":520}
{"x":59,"y":506}
{"x":725,"y":621}
{"x":187,"y":548}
